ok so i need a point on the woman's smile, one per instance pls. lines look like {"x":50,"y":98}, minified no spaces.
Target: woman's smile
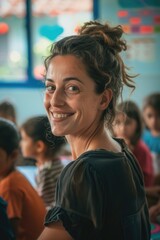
{"x":57,"y":117}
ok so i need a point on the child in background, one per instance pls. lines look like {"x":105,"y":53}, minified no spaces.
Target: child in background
{"x":128,"y":125}
{"x":25,"y":209}
{"x":151,"y":135}
{"x":39,"y":142}
{"x":8,"y":111}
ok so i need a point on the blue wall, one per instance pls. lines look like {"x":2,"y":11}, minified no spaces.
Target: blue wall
{"x":28,"y":102}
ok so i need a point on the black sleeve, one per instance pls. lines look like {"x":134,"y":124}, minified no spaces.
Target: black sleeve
{"x":80,"y":198}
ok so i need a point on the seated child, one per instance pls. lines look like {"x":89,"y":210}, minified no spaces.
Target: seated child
{"x":8,"y":111}
{"x":38,"y":142}
{"x":128,"y":125}
{"x":25,"y":209}
{"x":151,"y":135}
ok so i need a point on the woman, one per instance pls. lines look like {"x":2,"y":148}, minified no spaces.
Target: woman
{"x":101,"y":194}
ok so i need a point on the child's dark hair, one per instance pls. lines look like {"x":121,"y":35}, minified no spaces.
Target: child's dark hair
{"x":132,"y":111}
{"x":9,"y":136}
{"x":38,"y":128}
{"x":153,"y":100}
{"x":7,"y":110}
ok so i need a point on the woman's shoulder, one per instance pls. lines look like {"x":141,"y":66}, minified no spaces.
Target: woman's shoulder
{"x":98,"y":156}
{"x":94,"y":162}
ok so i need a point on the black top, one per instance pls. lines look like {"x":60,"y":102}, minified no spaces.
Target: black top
{"x":101,"y":196}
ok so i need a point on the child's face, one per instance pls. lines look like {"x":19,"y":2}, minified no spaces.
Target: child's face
{"x":28,"y":146}
{"x":6,"y":162}
{"x":124,"y":127}
{"x":151,"y":119}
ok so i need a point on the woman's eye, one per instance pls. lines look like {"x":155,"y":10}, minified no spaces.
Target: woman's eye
{"x":72,"y":89}
{"x":50,"y":88}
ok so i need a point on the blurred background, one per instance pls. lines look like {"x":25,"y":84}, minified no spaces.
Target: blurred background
{"x":28,"y":27}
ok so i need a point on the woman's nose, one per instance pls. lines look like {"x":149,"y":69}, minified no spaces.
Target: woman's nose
{"x":57,"y":98}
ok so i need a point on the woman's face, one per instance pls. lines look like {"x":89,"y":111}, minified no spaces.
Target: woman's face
{"x":124,"y":127}
{"x":70,"y":99}
{"x":151,"y":118}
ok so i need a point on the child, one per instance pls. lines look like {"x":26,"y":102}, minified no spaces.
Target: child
{"x":38,"y":142}
{"x":151,"y":135}
{"x":128,"y":125}
{"x":25,"y":209}
{"x":8,"y":111}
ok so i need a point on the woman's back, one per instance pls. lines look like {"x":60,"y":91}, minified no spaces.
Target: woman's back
{"x":91,"y":185}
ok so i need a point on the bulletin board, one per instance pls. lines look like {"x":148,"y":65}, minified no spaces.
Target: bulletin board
{"x":141,"y":23}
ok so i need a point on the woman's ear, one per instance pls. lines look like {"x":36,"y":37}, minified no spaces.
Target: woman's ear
{"x":106,"y":98}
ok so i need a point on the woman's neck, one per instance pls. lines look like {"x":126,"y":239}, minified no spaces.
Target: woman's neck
{"x":99,"y":139}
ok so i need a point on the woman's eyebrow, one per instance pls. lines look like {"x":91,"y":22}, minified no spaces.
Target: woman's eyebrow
{"x":65,"y":79}
{"x":49,"y":79}
{"x":72,"y":78}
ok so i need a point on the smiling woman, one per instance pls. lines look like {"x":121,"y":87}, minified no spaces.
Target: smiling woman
{"x":70,"y":99}
{"x":102,"y":190}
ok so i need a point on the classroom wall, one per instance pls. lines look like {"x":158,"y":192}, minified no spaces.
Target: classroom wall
{"x":145,"y":59}
{"x":29,"y":102}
